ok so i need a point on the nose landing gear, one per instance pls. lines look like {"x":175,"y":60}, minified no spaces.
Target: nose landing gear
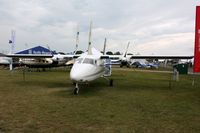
{"x":76,"y":90}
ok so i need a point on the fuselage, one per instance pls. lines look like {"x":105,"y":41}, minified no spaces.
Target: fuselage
{"x":5,"y":60}
{"x":87,"y":68}
{"x":33,"y":61}
{"x":56,"y":60}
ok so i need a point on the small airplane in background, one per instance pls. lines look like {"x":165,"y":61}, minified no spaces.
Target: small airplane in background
{"x":122,"y":60}
{"x":45,"y":60}
{"x":140,"y":60}
{"x":4,"y":60}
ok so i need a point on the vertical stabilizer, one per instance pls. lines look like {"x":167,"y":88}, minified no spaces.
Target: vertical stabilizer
{"x":104,"y":47}
{"x":77,"y":40}
{"x":12,"y":42}
{"x":12,"y":47}
{"x":126,"y":50}
{"x":89,"y":41}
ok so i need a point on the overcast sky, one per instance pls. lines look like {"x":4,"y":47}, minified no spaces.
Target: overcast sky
{"x":153,"y":27}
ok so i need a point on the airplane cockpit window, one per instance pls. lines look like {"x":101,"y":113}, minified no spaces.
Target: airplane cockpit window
{"x":79,"y":60}
{"x":88,"y":61}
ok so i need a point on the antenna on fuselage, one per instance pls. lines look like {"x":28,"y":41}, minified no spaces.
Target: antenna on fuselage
{"x":89,"y":41}
{"x":104,"y":47}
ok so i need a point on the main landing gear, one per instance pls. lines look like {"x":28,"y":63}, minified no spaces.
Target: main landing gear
{"x":76,"y":90}
{"x":109,"y":80}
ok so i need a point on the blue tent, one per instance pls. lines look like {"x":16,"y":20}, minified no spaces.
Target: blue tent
{"x":35,"y":50}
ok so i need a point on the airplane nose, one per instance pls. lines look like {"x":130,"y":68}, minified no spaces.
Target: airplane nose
{"x":75,"y":74}
{"x":79,"y":73}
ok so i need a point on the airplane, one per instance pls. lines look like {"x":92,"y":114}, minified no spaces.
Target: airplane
{"x":54,"y":60}
{"x":58,"y":59}
{"x":122,"y":60}
{"x":48,"y":60}
{"x":90,"y":66}
{"x":4,"y":60}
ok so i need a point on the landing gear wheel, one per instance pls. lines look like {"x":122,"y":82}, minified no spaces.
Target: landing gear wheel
{"x":76,"y":91}
{"x":111,"y":82}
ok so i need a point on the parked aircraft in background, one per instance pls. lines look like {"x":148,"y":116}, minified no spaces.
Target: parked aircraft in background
{"x":55,"y":60}
{"x":5,"y":60}
{"x":122,"y":60}
{"x":141,"y":60}
{"x":45,"y":60}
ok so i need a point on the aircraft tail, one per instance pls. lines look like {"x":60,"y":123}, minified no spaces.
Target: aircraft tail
{"x":12,"y":42}
{"x":89,"y":40}
{"x":104,"y":47}
{"x":77,"y":40}
{"x":124,"y":55}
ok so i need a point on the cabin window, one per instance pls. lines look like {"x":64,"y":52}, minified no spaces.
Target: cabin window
{"x":88,"y":61}
{"x":79,"y":60}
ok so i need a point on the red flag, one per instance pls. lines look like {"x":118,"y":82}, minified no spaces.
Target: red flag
{"x":197,"y":42}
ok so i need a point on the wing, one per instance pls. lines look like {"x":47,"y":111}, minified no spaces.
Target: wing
{"x":161,"y":57}
{"x":29,"y":55}
{"x":2,"y":55}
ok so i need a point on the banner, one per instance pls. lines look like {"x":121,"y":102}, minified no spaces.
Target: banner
{"x":197,"y":42}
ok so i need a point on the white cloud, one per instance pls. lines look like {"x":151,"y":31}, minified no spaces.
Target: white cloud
{"x":152,"y":26}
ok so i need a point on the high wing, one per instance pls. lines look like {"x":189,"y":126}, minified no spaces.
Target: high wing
{"x":29,"y":55}
{"x":2,"y":55}
{"x":161,"y":57}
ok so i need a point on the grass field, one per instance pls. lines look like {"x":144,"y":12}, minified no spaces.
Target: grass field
{"x":139,"y":102}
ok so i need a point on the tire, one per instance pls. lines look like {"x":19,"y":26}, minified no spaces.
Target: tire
{"x":76,"y":91}
{"x":111,"y":82}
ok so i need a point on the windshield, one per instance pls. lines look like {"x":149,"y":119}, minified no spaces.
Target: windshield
{"x":88,"y":61}
{"x":79,"y":60}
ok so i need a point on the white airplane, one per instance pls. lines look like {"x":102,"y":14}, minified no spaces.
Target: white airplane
{"x":49,"y":61}
{"x":5,"y":60}
{"x":128,"y":60}
{"x":90,"y":66}
{"x":122,"y":60}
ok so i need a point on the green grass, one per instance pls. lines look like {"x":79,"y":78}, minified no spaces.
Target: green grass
{"x":139,"y":102}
